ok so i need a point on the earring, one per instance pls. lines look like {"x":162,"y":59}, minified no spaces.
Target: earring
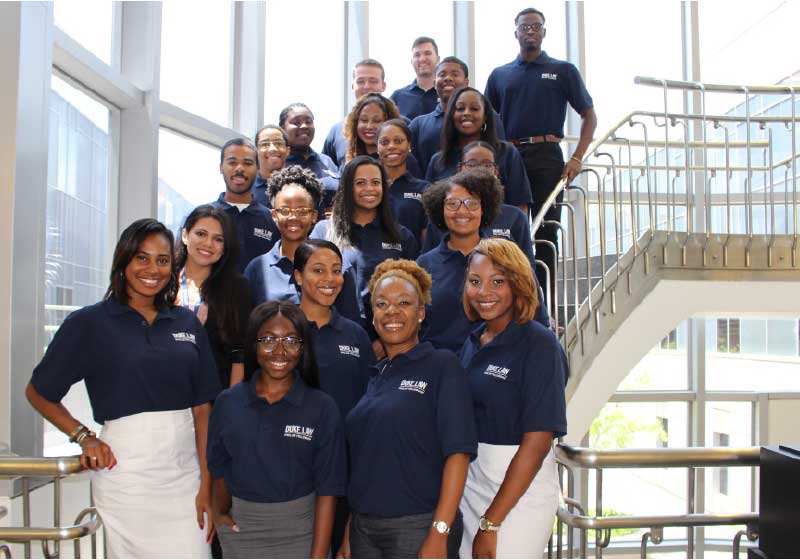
{"x":483,"y":128}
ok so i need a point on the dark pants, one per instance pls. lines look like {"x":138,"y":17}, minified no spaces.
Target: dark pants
{"x":544,"y":163}
{"x":341,"y":514}
{"x":397,"y":537}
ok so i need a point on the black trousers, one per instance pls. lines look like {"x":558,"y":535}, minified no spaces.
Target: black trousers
{"x":544,"y":163}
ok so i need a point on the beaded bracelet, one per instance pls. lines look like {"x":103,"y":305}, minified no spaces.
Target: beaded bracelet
{"x":73,"y":436}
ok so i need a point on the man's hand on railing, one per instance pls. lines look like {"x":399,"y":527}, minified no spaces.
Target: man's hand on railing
{"x":96,"y":454}
{"x":571,"y":169}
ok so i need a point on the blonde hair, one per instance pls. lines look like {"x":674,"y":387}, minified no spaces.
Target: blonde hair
{"x":408,"y":271}
{"x":507,"y":256}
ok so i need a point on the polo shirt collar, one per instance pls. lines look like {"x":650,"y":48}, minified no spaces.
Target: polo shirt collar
{"x":437,"y":112}
{"x":274,"y":257}
{"x":335,"y":323}
{"x":116,"y":309}
{"x":508,"y":337}
{"x":446,"y":251}
{"x":293,"y":397}
{"x":420,"y":351}
{"x":253,"y":207}
{"x":541,"y":59}
{"x":374,"y":224}
{"x":414,"y":85}
{"x":295,"y":155}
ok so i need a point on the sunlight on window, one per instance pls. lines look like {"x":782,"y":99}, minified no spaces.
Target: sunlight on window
{"x":88,"y":22}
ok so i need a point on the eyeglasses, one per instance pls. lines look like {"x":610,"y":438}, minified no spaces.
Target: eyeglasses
{"x":472,"y":164}
{"x":525,"y":27}
{"x":264,"y":146}
{"x":291,"y":344}
{"x":285,"y":212}
{"x":471,"y":204}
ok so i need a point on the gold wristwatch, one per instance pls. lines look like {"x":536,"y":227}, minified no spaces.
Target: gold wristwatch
{"x":486,"y":525}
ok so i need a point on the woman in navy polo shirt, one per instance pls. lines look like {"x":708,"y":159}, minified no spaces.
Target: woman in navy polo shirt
{"x":210,"y":286}
{"x":363,"y":227}
{"x":273,"y":149}
{"x":517,"y":372}
{"x":150,"y":376}
{"x":469,"y":118}
{"x":412,"y":435}
{"x":361,"y":125}
{"x":276,"y":447}
{"x":294,"y":193}
{"x":394,"y":148}
{"x":342,"y":347}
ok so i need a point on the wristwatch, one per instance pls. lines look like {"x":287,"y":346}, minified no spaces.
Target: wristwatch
{"x":441,"y":527}
{"x":486,"y":525}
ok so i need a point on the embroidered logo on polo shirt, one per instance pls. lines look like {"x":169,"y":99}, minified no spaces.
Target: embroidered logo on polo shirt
{"x":262,"y":233}
{"x":184,"y":337}
{"x":299,"y":432}
{"x":497,"y":371}
{"x":391,"y":246}
{"x":345,"y":350}
{"x":501,"y":232}
{"x":549,"y":76}
{"x":416,"y":386}
{"x":413,"y":195}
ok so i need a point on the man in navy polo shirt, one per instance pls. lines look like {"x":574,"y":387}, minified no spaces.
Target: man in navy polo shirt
{"x":368,"y":77}
{"x":257,"y":231}
{"x":419,"y":97}
{"x":531,"y":93}
{"x":451,"y":73}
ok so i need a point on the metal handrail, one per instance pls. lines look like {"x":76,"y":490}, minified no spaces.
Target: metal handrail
{"x":712,"y":88}
{"x":585,"y":522}
{"x":584,"y":457}
{"x":39,"y":466}
{"x":28,"y":534}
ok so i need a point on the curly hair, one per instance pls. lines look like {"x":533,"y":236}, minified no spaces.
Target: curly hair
{"x":355,"y":146}
{"x":295,"y":175}
{"x":449,"y":138}
{"x":478,"y":182}
{"x":408,"y":271}
{"x":341,"y":228}
{"x":508,"y":257}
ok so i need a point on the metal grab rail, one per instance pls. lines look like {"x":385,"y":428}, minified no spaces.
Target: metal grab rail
{"x":86,"y":524}
{"x":691,"y":458}
{"x":656,"y":458}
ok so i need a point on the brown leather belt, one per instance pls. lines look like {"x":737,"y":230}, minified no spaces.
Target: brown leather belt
{"x":536,"y":140}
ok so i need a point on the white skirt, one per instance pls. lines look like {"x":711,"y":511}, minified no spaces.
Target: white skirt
{"x":147,"y":502}
{"x":527,"y":528}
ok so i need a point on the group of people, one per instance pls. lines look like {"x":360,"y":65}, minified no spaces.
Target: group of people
{"x":338,"y":357}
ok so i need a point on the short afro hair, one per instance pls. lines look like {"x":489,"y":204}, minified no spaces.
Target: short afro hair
{"x":478,"y":182}
{"x":295,"y":175}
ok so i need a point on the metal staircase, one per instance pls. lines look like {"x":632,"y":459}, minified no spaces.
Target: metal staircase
{"x":685,"y":212}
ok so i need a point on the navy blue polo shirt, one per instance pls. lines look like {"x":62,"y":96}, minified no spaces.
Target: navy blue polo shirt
{"x":407,"y":206}
{"x":272,"y":453}
{"x":446,"y":325}
{"x":255,"y":226}
{"x":369,"y":250}
{"x":532,"y":97}
{"x":426,"y":132}
{"x":129,"y":366}
{"x":510,"y":165}
{"x":417,"y":412}
{"x":335,"y":145}
{"x":271,"y":278}
{"x":413,"y":101}
{"x":517,"y":382}
{"x":320,"y":165}
{"x":344,"y":358}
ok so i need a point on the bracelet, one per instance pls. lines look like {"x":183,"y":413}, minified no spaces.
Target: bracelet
{"x":576,"y":159}
{"x":83,"y":435}
{"x":73,"y":435}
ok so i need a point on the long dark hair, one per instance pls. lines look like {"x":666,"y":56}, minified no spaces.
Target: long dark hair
{"x":448,"y":141}
{"x":129,"y":244}
{"x":341,"y":228}
{"x":356,"y":146}
{"x":219,"y":289}
{"x":307,"y":365}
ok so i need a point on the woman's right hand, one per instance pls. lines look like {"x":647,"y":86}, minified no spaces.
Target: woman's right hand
{"x":96,"y":454}
{"x":221,"y":519}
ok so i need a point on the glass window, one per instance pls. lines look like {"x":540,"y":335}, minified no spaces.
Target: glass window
{"x":195,"y":58}
{"x":78,"y":238}
{"x":641,"y":491}
{"x":393,"y":30}
{"x":663,"y":368}
{"x":89,"y":22}
{"x":188,"y":176}
{"x":728,"y":424}
{"x":736,"y":348}
{"x":495,"y":43}
{"x":609,"y":81}
{"x":294,"y":71}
